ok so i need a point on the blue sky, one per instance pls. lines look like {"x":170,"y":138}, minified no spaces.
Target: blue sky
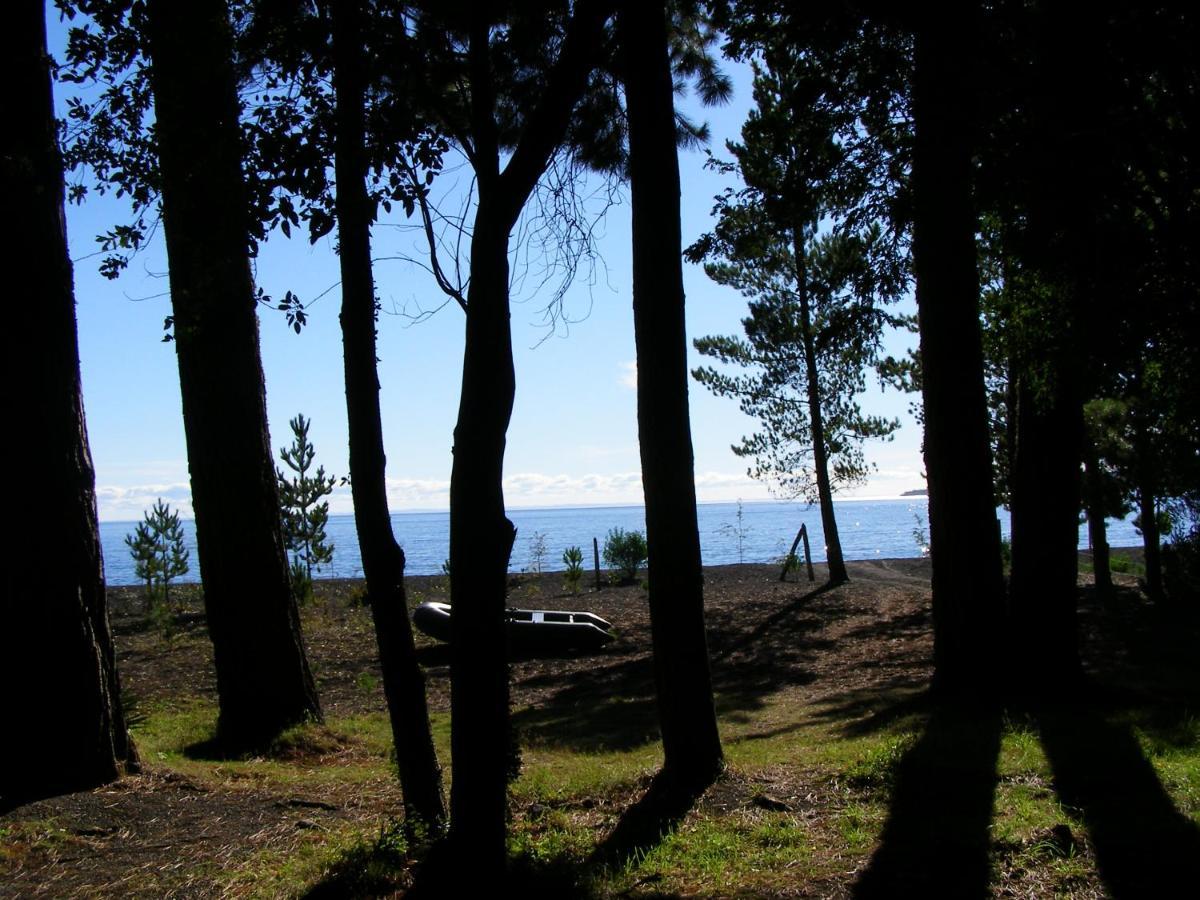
{"x":573,"y":438}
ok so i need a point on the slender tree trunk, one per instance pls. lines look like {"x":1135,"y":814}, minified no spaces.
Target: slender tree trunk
{"x":481,"y":536}
{"x":1097,"y":529}
{"x":383,"y":559}
{"x":64,"y":719}
{"x":968,"y":588}
{"x":691,"y":743}
{"x":1147,"y":491}
{"x":1151,"y":543}
{"x":481,"y":541}
{"x":1045,"y":533}
{"x":263,"y":680}
{"x":833,"y":542}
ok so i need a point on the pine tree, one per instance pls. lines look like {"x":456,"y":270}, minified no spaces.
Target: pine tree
{"x":171,"y":557}
{"x":158,"y":551}
{"x":141,"y":548}
{"x":304,"y":515}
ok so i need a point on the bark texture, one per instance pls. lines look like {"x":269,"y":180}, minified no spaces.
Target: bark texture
{"x":382,"y":558}
{"x":691,"y":743}
{"x":263,"y":679}
{"x":968,"y":588}
{"x":66,"y":728}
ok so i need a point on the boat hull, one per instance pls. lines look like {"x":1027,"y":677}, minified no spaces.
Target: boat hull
{"x":538,"y":630}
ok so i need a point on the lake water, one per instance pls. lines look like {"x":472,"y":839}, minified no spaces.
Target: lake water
{"x":870,"y":529}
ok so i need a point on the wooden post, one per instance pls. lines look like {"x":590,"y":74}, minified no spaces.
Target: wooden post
{"x":596,"y":557}
{"x":801,"y":535}
{"x":807,"y":553}
{"x":791,"y":554}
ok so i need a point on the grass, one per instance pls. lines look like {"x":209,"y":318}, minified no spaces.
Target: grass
{"x":814,"y":796}
{"x":831,"y":796}
{"x":1118,"y":563}
{"x":836,"y":791}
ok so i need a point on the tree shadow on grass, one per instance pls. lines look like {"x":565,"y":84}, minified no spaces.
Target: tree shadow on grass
{"x":936,"y":838}
{"x":645,"y":824}
{"x":613,"y":707}
{"x":1144,"y":846}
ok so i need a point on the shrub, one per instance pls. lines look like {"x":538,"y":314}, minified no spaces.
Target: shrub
{"x":573,"y":559}
{"x":1181,"y":566}
{"x":625,"y":551}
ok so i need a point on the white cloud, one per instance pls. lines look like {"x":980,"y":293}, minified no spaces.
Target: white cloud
{"x":629,"y":372}
{"x":419,"y":493}
{"x":129,"y":503}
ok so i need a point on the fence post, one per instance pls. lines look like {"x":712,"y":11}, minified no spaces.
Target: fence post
{"x":596,"y":557}
{"x":807,"y":552}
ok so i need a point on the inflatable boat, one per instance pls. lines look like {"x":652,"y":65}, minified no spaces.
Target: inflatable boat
{"x":528,"y":629}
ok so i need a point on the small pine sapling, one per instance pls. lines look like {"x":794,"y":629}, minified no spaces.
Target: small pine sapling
{"x":304,"y":514}
{"x":158,"y":550}
{"x":141,"y":548}
{"x":573,"y":559}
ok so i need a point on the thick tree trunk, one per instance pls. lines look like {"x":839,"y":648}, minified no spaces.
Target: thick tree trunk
{"x":968,"y":588}
{"x":263,"y":679}
{"x":382,"y":557}
{"x":833,"y":542}
{"x":64,"y":718}
{"x":1045,"y":499}
{"x":691,"y":744}
{"x":1097,"y":529}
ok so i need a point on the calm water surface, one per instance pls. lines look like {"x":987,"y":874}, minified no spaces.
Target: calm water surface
{"x":869,"y":529}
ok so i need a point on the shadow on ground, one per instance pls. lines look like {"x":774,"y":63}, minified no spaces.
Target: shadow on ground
{"x":756,"y":650}
{"x":1144,"y":846}
{"x":936,"y":838}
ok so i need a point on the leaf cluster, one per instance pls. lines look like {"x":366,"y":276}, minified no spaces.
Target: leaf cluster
{"x":625,"y":551}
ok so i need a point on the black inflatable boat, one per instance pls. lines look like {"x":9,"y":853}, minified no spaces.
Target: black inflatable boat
{"x":528,"y":629}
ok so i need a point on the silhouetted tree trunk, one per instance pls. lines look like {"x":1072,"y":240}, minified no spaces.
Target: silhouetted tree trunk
{"x":481,"y":536}
{"x":263,"y":679}
{"x":1097,"y":528}
{"x":1147,"y":495}
{"x":691,"y":744}
{"x":1045,"y":501}
{"x":968,"y":589}
{"x":66,"y":730}
{"x":382,"y":558}
{"x":833,"y":542}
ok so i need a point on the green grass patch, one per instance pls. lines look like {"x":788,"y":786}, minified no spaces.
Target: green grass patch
{"x":342,"y":862}
{"x":715,"y":855}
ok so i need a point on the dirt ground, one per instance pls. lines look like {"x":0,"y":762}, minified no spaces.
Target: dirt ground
{"x":837,"y":650}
